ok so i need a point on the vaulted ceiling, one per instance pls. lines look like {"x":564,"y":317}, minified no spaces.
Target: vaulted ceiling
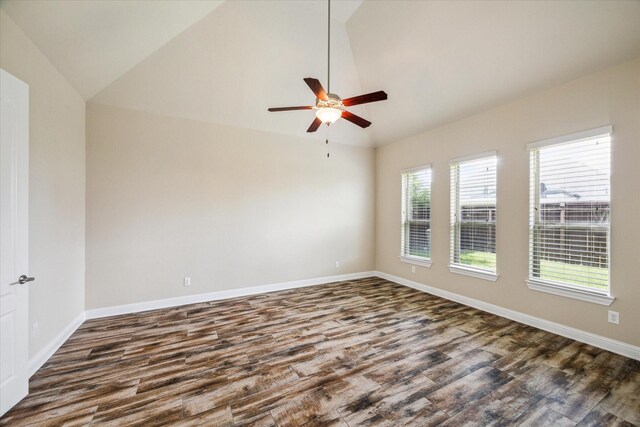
{"x":227,"y":62}
{"x":94,"y":42}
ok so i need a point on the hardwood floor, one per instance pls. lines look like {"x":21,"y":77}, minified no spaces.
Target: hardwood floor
{"x":366,"y":352}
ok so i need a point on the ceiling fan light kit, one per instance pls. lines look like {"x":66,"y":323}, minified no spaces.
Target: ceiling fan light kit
{"x":329,"y":107}
{"x":328,"y":115}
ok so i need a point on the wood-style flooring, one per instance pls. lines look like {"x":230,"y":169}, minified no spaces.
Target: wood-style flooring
{"x":356,"y":353}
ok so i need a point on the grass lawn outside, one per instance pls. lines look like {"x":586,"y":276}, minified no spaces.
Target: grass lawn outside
{"x":575,"y":274}
{"x":478,"y":259}
{"x":419,"y":253}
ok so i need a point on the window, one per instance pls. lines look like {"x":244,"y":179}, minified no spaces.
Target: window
{"x":473,"y":216}
{"x":416,"y":216}
{"x":570,"y":207}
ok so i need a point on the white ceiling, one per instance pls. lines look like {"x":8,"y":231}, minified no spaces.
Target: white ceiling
{"x":93,"y":42}
{"x":229,"y":70}
{"x":443,"y":60}
{"x":226,"y":63}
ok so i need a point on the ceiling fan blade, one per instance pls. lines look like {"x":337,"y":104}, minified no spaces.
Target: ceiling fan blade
{"x":364,"y":99}
{"x":314,"y":125}
{"x":316,"y":87}
{"x":356,"y":119}
{"x":289,"y":108}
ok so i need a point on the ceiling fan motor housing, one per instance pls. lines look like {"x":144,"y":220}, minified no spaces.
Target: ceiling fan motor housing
{"x":332,"y":101}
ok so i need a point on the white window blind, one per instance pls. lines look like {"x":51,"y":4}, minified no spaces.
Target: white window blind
{"x":416,"y":214}
{"x":569,"y":213}
{"x":473,"y":213}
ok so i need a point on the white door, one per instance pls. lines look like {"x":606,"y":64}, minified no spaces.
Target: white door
{"x":14,"y":245}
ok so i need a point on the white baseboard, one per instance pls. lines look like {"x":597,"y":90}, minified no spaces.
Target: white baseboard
{"x":220,"y":295}
{"x":43,"y":355}
{"x":614,"y":346}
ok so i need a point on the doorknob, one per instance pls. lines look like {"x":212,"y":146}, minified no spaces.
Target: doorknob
{"x":23,"y":279}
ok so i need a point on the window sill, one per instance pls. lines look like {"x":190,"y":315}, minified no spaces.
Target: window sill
{"x":417,"y":261}
{"x":575,"y":293}
{"x":479,"y":274}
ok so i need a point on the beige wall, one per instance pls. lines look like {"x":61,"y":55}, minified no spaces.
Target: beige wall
{"x":608,"y":97}
{"x":56,"y":186}
{"x":170,"y":197}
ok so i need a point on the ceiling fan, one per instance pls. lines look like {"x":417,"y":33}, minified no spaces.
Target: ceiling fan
{"x":329,"y":106}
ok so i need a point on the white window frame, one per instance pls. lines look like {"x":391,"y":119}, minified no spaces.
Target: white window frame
{"x":412,"y":259}
{"x":547,"y":286}
{"x":466,"y":270}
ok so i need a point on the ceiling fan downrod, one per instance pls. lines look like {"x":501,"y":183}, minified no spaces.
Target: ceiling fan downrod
{"x":329,"y":46}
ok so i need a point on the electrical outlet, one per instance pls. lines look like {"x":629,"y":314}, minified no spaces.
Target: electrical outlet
{"x":35,"y":329}
{"x":614,"y":317}
{"x":413,"y":268}
{"x":187,"y":281}
{"x":337,"y":264}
